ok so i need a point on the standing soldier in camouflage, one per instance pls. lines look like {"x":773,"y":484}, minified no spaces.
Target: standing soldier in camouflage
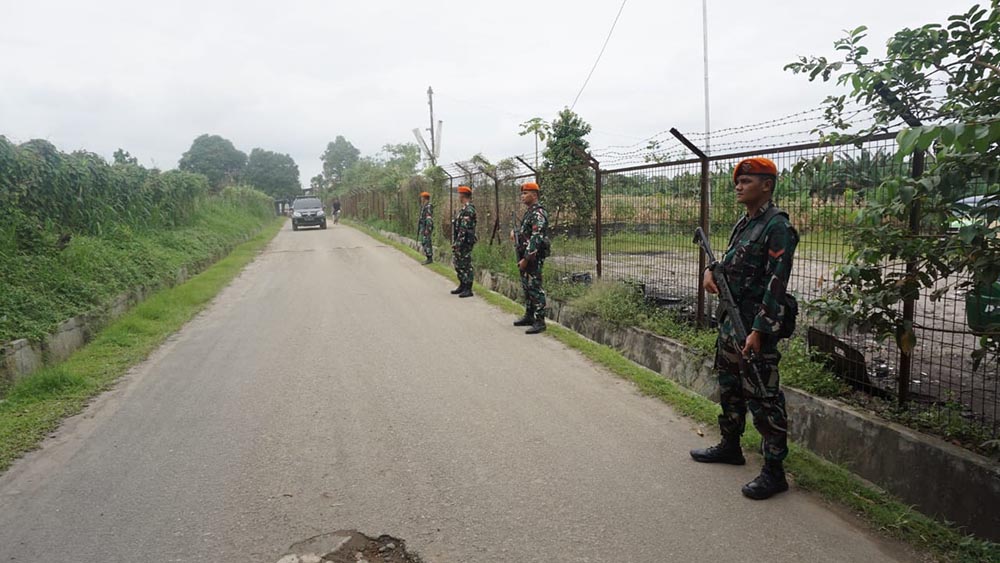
{"x":532,"y":248}
{"x":463,"y":239}
{"x":425,"y":227}
{"x":757,"y":265}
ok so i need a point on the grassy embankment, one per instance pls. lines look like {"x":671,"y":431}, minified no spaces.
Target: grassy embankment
{"x":884,"y":513}
{"x":41,"y":290}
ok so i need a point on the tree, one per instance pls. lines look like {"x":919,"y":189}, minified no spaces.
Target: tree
{"x":317,"y":183}
{"x":567,"y":180}
{"x":123,"y":157}
{"x":387,"y":171}
{"x":944,"y":82}
{"x":539,"y":128}
{"x":216,"y":158}
{"x":338,"y":157}
{"x":272,"y":173}
{"x":399,"y":163}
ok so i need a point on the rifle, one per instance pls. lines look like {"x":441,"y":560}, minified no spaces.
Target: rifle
{"x":751,"y":366}
{"x":515,"y":234}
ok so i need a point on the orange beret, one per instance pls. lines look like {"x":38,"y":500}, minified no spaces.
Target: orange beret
{"x":465,"y":190}
{"x":757,"y":166}
{"x":425,"y":194}
{"x":529,"y":187}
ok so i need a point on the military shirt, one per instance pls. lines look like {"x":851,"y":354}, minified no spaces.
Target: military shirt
{"x":425,"y":226}
{"x":465,"y":225}
{"x":534,"y":229}
{"x":758,"y":272}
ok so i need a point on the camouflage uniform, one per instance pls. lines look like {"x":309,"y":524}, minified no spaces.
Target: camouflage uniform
{"x":465,"y":239}
{"x":533,"y":243}
{"x":758,"y":276}
{"x":425,"y":230}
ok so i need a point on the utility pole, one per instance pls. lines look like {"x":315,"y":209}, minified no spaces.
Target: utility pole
{"x":430,"y":102}
{"x":704,"y":24}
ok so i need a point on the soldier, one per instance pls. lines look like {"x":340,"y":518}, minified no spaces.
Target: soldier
{"x":532,"y":248}
{"x":757,"y":264}
{"x":425,"y":227}
{"x":463,"y":239}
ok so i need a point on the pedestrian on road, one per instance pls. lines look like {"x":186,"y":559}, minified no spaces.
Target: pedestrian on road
{"x":336,"y":210}
{"x":463,"y":239}
{"x":425,"y":227}
{"x":757,"y":264}
{"x":532,"y":240}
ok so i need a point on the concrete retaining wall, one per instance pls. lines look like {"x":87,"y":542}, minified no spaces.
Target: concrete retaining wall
{"x":936,"y":477}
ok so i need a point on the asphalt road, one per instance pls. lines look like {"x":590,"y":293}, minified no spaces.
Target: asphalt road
{"x":337,"y":384}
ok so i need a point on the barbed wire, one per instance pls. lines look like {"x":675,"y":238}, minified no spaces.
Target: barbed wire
{"x":661,"y":148}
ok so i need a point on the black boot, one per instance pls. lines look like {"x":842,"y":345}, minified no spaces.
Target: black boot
{"x":728,"y":451}
{"x":536,"y":327}
{"x":428,"y":261}
{"x":459,"y":289}
{"x":467,"y":292}
{"x":527,"y":320}
{"x":770,"y":482}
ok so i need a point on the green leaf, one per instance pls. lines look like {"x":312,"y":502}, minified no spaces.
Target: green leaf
{"x":906,"y":193}
{"x":907,"y":139}
{"x":968,"y":233}
{"x":927,"y":136}
{"x":948,"y":134}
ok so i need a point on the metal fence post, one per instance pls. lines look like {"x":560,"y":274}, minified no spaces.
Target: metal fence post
{"x":906,"y":358}
{"x":598,"y":231}
{"x":701,"y":317}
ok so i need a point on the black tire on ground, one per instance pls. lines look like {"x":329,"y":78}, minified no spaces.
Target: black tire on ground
{"x":323,"y":225}
{"x":295,"y":227}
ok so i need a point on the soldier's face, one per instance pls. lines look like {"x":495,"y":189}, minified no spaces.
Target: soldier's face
{"x":751,"y":189}
{"x":529,"y":197}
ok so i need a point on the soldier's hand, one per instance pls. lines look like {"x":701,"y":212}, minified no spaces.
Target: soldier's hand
{"x":708,"y":282}
{"x":522,"y":264}
{"x":753,"y":343}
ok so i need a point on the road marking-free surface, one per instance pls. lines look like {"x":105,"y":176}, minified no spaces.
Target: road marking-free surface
{"x":336,"y":384}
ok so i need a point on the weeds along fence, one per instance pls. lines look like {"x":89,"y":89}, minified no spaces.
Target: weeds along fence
{"x":641,"y":233}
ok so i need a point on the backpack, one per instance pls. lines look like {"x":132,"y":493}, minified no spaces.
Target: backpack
{"x":790,"y":302}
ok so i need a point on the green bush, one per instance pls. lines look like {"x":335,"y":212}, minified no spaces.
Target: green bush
{"x":801,"y":370}
{"x":46,"y":194}
{"x":47,"y":286}
{"x":623,"y":305}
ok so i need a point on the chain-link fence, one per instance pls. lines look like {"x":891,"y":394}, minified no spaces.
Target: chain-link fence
{"x":649,"y":205}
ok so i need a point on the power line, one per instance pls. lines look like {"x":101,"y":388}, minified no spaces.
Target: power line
{"x":593,"y":68}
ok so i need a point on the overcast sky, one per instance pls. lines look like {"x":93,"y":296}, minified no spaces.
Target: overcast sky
{"x":290,"y":76}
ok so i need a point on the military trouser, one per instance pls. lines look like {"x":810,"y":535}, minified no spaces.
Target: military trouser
{"x":737,"y":393}
{"x":534,"y":295}
{"x":463,"y":263}
{"x":427,"y":245}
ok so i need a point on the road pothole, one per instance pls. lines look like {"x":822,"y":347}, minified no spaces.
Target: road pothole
{"x":350,"y":546}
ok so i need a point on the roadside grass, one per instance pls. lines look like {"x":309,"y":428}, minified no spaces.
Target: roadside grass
{"x":35,"y":405}
{"x":834,"y":483}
